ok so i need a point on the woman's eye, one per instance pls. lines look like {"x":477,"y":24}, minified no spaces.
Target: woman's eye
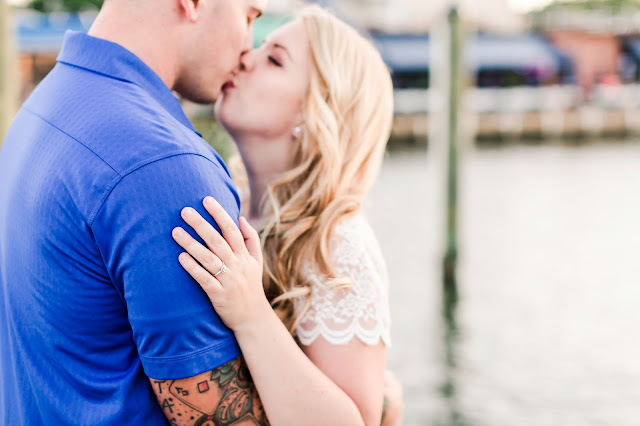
{"x":274,"y":61}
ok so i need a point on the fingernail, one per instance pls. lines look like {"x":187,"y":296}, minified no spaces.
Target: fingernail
{"x":177,"y":232}
{"x":187,"y":212}
{"x":208,"y":201}
{"x":182,"y":257}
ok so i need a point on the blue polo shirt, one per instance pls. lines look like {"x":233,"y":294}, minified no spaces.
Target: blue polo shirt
{"x":93,"y":174}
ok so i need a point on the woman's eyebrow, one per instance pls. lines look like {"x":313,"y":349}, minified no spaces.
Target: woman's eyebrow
{"x":279,"y":46}
{"x":283,"y":48}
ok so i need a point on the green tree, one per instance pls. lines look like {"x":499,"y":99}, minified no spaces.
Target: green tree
{"x":48,"y":6}
{"x":615,"y":6}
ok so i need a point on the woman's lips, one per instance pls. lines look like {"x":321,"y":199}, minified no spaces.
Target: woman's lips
{"x":228,"y":85}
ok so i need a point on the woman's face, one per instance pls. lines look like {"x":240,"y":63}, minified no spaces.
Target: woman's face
{"x":267,"y":95}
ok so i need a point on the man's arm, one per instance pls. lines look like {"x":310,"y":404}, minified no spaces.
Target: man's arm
{"x":223,"y":396}
{"x":176,"y":332}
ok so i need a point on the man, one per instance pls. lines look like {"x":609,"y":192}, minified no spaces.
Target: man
{"x":97,"y":317}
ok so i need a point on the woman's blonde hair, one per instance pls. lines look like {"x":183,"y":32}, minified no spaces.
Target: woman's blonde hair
{"x":347,"y":121}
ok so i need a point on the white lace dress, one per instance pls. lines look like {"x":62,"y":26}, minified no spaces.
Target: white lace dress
{"x":362,"y":311}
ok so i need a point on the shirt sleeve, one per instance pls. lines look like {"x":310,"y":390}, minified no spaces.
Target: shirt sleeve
{"x":360,"y":311}
{"x":174,"y":327}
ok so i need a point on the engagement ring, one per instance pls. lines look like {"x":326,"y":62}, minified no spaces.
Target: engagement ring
{"x":222,"y":270}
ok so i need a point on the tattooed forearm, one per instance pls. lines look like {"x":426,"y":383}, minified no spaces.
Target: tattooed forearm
{"x":221,"y":397}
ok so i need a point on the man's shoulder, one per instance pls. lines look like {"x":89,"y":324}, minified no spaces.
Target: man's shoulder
{"x":116,"y":120}
{"x":104,"y":129}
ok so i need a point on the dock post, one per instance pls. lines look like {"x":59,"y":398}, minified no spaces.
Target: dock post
{"x":453,"y":131}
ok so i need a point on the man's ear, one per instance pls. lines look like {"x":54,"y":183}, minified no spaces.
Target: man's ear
{"x":190,"y":9}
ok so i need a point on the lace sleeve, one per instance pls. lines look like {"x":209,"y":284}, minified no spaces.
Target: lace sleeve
{"x":361,"y":311}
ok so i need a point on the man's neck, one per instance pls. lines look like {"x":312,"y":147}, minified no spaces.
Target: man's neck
{"x":121,"y":25}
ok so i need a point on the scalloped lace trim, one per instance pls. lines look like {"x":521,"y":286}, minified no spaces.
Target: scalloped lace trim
{"x":339,"y":315}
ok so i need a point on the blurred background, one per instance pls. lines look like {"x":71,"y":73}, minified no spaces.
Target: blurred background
{"x":508,"y":202}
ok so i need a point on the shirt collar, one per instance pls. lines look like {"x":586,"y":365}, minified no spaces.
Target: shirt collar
{"x":105,"y":57}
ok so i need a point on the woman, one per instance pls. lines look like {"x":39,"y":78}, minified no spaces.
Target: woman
{"x":310,"y":111}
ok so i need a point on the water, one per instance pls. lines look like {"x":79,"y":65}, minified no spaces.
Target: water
{"x":546,"y":330}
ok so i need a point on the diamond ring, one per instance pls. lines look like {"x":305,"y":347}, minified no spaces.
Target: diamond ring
{"x":222,"y":270}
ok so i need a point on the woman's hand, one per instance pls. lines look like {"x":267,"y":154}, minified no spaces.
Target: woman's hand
{"x":235,"y":289}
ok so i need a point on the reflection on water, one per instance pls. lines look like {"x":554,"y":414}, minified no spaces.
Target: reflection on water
{"x":544,"y":330}
{"x":453,"y":416}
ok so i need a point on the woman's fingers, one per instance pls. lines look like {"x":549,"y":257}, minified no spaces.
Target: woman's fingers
{"x":208,"y":283}
{"x":251,"y":239}
{"x":228,"y":227}
{"x":209,"y":260}
{"x":208,"y":233}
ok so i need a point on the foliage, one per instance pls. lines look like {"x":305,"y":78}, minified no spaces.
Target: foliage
{"x":48,"y":6}
{"x":215,"y":135}
{"x":614,"y":6}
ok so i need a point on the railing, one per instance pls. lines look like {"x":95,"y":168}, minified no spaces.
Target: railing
{"x":549,"y":111}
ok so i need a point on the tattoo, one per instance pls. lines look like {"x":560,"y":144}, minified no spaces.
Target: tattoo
{"x":224,"y":374}
{"x":225,"y":396}
{"x":159,"y":383}
{"x":167,"y":405}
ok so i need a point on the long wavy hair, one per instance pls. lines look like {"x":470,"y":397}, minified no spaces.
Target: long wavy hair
{"x":348,"y":114}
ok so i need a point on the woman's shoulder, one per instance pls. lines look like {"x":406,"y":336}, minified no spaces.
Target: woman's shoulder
{"x":356,"y":223}
{"x":354,"y":244}
{"x":340,"y":313}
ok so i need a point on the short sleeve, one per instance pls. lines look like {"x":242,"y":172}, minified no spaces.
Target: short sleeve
{"x":361,"y":311}
{"x":175,"y":329}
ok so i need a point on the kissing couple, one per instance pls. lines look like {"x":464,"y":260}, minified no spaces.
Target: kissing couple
{"x":135,"y":286}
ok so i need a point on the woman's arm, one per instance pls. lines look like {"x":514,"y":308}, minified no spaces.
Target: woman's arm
{"x":357,"y":368}
{"x":334,"y":385}
{"x":337,"y":385}
{"x":393,"y":410}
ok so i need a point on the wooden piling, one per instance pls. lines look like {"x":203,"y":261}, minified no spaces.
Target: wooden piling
{"x":453,"y":121}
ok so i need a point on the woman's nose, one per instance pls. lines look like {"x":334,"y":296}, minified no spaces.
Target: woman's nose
{"x":247,"y":60}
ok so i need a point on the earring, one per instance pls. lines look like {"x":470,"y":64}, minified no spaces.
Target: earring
{"x":297,"y":131}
